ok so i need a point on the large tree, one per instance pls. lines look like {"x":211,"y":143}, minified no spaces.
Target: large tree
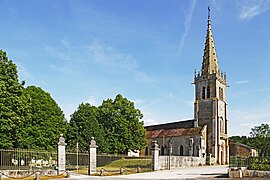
{"x":259,"y":138}
{"x":83,"y":126}
{"x":46,"y":123}
{"x":122,"y":125}
{"x":13,"y":105}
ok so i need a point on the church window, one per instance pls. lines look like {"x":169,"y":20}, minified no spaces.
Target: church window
{"x":181,"y":153}
{"x":208,"y":92}
{"x":203,"y":92}
{"x":222,"y":128}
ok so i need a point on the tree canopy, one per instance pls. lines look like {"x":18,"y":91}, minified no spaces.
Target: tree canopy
{"x":31,"y":118}
{"x":122,"y":125}
{"x":83,"y":126}
{"x":259,"y":138}
{"x":46,"y":123}
{"x":13,"y":105}
{"x":116,"y":126}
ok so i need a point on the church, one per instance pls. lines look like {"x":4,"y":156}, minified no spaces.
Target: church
{"x":207,"y":134}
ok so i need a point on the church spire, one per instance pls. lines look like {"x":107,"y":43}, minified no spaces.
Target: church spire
{"x":210,"y":61}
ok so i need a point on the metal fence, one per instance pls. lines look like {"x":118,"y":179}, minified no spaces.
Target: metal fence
{"x":76,"y":160}
{"x":236,"y":161}
{"x":21,"y":159}
{"x":254,"y":163}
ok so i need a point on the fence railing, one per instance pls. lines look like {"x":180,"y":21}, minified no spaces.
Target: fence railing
{"x":253,"y":163}
{"x":23,"y":159}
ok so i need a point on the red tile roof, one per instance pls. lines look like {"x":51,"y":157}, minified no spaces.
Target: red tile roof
{"x":151,"y":134}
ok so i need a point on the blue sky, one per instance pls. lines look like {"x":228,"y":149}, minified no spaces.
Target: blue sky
{"x":147,"y":50}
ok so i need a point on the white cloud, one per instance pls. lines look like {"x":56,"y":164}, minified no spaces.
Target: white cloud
{"x":242,"y":82}
{"x":23,"y":72}
{"x":252,"y":8}
{"x":148,"y":122}
{"x":110,"y":57}
{"x":92,"y":100}
{"x":241,"y":120}
{"x":186,"y":25}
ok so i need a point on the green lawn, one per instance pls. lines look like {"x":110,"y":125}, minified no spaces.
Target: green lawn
{"x":130,"y":166}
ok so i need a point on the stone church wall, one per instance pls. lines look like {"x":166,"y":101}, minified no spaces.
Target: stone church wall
{"x":180,"y":162}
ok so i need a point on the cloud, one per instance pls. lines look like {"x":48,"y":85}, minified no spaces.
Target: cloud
{"x":241,"y":120}
{"x":252,"y":8}
{"x":242,"y":82}
{"x":94,"y":101}
{"x":148,"y":122}
{"x":110,"y":57}
{"x":23,"y":72}
{"x":186,"y":26}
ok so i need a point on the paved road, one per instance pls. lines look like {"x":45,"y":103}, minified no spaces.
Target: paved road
{"x":185,"y":173}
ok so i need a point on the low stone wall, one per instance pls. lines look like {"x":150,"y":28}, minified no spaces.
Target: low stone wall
{"x":25,"y":173}
{"x":243,"y":172}
{"x":180,"y":162}
{"x":256,"y":173}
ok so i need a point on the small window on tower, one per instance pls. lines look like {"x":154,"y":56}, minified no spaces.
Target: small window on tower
{"x":220,"y":93}
{"x":208,"y":92}
{"x":203,"y":92}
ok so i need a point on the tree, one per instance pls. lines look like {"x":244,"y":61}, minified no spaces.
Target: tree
{"x":83,"y":126}
{"x":13,"y":105}
{"x":121,"y":121}
{"x":46,"y":123}
{"x":259,"y":138}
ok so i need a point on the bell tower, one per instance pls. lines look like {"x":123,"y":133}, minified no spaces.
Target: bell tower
{"x":210,"y":107}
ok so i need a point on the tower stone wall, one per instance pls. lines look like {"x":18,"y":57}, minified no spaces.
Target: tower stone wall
{"x":210,"y":107}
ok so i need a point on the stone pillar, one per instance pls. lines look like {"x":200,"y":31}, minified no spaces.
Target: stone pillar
{"x":191,"y":144}
{"x":92,"y":157}
{"x":155,"y":155}
{"x":208,"y":159}
{"x":61,"y":155}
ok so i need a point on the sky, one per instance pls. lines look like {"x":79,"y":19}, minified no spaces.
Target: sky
{"x":146,"y":50}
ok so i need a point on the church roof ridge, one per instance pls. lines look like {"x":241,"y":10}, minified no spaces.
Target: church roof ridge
{"x":172,"y":125}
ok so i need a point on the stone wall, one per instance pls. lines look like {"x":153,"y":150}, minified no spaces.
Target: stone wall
{"x":180,"y":162}
{"x":238,"y":149}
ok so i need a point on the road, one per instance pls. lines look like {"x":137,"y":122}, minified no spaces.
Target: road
{"x":184,"y":173}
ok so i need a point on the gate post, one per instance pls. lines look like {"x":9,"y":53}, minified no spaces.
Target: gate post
{"x":61,"y":155}
{"x":155,"y":155}
{"x":92,"y":164}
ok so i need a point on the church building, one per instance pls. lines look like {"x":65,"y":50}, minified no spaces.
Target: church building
{"x":206,"y":134}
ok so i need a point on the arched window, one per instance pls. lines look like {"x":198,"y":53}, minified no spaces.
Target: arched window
{"x":162,"y":151}
{"x":208,"y":92}
{"x":181,"y":153}
{"x":222,"y":128}
{"x":146,"y":151}
{"x":203,"y":92}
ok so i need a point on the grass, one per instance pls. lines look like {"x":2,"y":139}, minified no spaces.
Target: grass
{"x":130,"y":166}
